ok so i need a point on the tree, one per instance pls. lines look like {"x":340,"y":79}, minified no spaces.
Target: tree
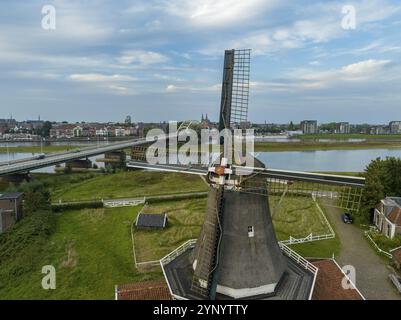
{"x":36,"y":196}
{"x":383,"y":178}
{"x":44,"y":131}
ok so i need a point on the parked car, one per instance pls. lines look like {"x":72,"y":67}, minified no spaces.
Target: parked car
{"x":346,"y":217}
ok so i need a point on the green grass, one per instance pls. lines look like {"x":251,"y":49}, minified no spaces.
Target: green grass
{"x":121,"y":185}
{"x":297,"y":217}
{"x":185,"y":222}
{"x":37,"y":149}
{"x":91,"y":251}
{"x":318,"y":249}
{"x":310,"y":145}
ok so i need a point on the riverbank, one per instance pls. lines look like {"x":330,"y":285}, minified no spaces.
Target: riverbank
{"x":311,"y":145}
{"x":338,"y":136}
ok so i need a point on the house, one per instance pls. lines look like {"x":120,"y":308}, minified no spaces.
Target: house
{"x":342,"y":127}
{"x":395,"y":127}
{"x":151,"y":220}
{"x":10,"y":210}
{"x":63,"y":131}
{"x":329,"y":280}
{"x":309,"y":127}
{"x":387,"y":216}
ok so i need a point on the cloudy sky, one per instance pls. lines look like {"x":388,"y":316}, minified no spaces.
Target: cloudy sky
{"x":162,"y":59}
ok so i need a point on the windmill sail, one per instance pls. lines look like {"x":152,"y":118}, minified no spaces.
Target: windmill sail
{"x":235,"y":89}
{"x":343,"y":192}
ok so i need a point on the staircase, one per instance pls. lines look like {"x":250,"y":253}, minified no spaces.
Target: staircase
{"x":207,"y":257}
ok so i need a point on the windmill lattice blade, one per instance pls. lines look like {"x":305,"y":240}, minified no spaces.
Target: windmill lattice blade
{"x":357,"y":182}
{"x":201,"y":171}
{"x":343,"y":192}
{"x":240,"y":87}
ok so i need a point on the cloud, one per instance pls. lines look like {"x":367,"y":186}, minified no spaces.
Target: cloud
{"x":212,"y":13}
{"x":171,"y":88}
{"x":367,"y":67}
{"x":303,"y":80}
{"x":116,"y":83}
{"x":142,"y":57}
{"x":97,"y":77}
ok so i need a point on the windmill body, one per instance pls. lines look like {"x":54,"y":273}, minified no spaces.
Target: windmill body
{"x":237,"y":255}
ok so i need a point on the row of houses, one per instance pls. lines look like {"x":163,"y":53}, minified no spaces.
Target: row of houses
{"x":11,"y":126}
{"x":311,"y":127}
{"x":67,"y":131}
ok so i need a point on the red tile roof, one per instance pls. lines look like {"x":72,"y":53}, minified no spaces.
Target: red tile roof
{"x":149,"y":290}
{"x":395,"y":216}
{"x":328,"y":284}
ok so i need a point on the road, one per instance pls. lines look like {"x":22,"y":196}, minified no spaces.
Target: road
{"x":371,"y":271}
{"x":28,"y":164}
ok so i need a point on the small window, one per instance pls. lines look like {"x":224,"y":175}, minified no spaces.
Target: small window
{"x":250,"y":232}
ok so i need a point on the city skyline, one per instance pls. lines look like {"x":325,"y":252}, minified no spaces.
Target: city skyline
{"x":158,"y":61}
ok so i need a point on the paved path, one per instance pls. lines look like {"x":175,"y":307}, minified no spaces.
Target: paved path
{"x":371,"y":271}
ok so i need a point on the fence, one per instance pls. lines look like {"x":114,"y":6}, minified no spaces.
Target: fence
{"x":311,"y":237}
{"x":396,"y":281}
{"x":123,"y":202}
{"x":385,"y":253}
{"x":308,"y":238}
{"x":301,"y":261}
{"x":152,"y":263}
{"x":177,"y":252}
{"x":170,"y":257}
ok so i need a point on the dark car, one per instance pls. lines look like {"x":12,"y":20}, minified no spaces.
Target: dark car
{"x":346,"y":217}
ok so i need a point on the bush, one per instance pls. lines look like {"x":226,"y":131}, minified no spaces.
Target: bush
{"x":23,"y":245}
{"x":384,"y":242}
{"x":77,"y":206}
{"x":67,"y":170}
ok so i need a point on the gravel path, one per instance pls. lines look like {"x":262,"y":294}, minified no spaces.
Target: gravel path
{"x":371,"y":271}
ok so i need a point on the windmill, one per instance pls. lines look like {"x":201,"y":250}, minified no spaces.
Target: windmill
{"x":237,"y":254}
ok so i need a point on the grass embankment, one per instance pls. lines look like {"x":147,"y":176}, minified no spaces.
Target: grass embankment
{"x":37,"y":149}
{"x":90,"y":249}
{"x":128,"y":184}
{"x":311,"y":145}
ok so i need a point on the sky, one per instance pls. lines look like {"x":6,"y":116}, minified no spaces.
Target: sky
{"x":162,"y":60}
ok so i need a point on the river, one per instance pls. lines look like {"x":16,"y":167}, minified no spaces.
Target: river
{"x":331,"y":160}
